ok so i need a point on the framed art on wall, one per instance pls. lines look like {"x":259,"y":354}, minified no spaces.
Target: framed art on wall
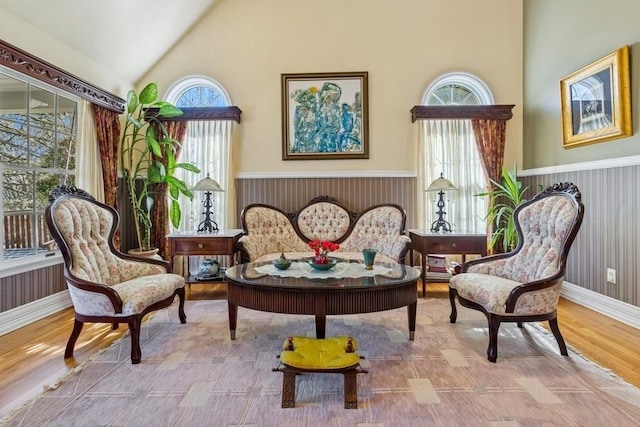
{"x":325,"y":116}
{"x":596,"y":101}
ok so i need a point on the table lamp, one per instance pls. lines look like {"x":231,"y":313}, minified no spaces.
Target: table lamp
{"x":208,"y":185}
{"x":440,"y":185}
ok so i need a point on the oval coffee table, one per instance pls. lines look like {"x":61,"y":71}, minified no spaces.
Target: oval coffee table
{"x":246,"y":287}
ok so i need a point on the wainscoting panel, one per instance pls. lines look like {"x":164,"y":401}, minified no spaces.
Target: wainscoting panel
{"x":610,"y":233}
{"x":27,"y":287}
{"x":356,"y":194}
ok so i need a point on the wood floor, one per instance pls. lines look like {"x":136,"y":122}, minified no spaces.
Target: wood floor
{"x":33,"y":355}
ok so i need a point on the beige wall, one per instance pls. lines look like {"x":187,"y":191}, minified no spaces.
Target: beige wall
{"x":560,"y":38}
{"x":29,"y":38}
{"x":404,"y":45}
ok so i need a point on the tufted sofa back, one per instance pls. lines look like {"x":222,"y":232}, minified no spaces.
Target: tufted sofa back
{"x":323,"y":221}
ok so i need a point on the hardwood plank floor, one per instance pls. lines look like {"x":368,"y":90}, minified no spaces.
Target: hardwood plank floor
{"x":33,"y":355}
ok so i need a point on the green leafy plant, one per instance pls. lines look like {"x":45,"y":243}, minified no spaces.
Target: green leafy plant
{"x":504,"y":198}
{"x":148,"y":158}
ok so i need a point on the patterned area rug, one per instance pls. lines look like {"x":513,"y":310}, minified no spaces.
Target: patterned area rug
{"x":194,"y":375}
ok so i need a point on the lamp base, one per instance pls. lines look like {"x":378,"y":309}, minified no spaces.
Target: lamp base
{"x":208,"y":225}
{"x":440,"y":223}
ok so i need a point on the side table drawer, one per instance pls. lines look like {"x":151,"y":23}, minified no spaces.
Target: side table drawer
{"x":203,"y":247}
{"x":457,"y":246}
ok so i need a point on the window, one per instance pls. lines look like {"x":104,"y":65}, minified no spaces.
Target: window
{"x":207,"y":144}
{"x":448,"y":148}
{"x":38,"y":133}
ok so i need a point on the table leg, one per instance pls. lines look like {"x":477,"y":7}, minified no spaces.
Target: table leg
{"x":233,"y":319}
{"x":321,"y":325}
{"x":423,"y":275}
{"x":411,"y":314}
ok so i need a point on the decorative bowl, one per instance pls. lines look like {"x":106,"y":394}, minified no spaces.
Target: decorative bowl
{"x":331,"y":262}
{"x":282,"y":263}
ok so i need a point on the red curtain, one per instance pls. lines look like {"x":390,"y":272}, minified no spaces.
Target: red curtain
{"x":160,"y":209}
{"x":490,"y":135}
{"x":490,"y":140}
{"x":108,"y":132}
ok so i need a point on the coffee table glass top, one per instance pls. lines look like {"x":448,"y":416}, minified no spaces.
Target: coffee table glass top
{"x":397,"y":274}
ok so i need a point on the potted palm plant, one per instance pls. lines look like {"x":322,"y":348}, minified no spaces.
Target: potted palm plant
{"x":504,"y":198}
{"x":147,"y":158}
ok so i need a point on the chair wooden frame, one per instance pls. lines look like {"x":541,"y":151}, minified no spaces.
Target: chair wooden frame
{"x":134,"y":321}
{"x":494,"y":320}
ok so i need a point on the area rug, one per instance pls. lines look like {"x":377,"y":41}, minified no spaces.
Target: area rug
{"x":194,"y":375}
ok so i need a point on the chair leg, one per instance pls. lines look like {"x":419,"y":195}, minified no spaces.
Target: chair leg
{"x":553,"y":324}
{"x":494,"y":325}
{"x":134,"y":331}
{"x":181,"y":315}
{"x":75,"y":333}
{"x":454,"y":312}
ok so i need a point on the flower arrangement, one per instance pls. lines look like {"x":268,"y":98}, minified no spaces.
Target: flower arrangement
{"x":322,"y":249}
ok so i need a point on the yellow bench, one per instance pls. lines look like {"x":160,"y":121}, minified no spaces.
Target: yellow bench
{"x":326,"y":355}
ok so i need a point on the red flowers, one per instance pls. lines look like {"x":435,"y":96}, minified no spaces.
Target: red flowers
{"x":321,"y":249}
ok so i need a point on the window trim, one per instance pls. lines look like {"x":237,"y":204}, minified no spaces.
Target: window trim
{"x":473,"y":83}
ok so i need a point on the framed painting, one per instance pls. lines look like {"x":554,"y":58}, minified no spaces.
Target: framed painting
{"x":596,"y":101}
{"x":325,"y":116}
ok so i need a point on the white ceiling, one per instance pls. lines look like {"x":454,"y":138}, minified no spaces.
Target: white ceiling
{"x":126,"y":36}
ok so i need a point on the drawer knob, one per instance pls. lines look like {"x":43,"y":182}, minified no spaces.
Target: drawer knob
{"x":200,"y":246}
{"x":454,"y":245}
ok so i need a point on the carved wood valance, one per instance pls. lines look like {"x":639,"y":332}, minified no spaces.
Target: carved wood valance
{"x":205,"y":113}
{"x":25,"y":63}
{"x":443,"y":112}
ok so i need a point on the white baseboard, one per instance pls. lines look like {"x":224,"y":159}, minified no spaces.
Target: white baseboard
{"x":617,"y":310}
{"x":18,"y":317}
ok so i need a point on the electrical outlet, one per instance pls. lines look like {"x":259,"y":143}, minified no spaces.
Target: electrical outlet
{"x":611,"y":275}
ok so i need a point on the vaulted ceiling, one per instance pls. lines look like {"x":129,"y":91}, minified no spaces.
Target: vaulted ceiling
{"x":126,"y":36}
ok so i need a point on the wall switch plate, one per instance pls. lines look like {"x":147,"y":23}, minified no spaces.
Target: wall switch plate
{"x":611,"y":275}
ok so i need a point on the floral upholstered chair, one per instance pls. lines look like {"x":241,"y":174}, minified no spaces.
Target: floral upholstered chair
{"x":105,"y":285}
{"x":524,"y":284}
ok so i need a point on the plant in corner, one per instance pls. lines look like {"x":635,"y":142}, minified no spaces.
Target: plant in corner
{"x":148,"y":158}
{"x":504,"y":198}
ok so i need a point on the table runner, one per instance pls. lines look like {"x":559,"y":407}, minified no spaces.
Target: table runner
{"x":340,"y":271}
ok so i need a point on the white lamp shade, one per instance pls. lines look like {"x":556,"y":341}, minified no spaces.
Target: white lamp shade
{"x":441,"y":184}
{"x":207,"y":184}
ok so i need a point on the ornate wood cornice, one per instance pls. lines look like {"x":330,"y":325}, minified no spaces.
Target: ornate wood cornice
{"x":496,"y":112}
{"x":205,"y":113}
{"x":25,"y":63}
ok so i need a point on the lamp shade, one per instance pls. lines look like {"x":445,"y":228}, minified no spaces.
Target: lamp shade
{"x":441,"y":184}
{"x":207,"y":184}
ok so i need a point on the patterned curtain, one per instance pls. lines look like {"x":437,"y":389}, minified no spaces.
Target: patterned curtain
{"x":490,"y":139}
{"x":160,"y":209}
{"x":108,"y":132}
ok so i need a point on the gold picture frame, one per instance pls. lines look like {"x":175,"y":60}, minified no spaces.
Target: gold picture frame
{"x":596,"y":101}
{"x":325,"y":116}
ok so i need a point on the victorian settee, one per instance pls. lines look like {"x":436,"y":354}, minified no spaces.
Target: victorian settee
{"x":270,"y":232}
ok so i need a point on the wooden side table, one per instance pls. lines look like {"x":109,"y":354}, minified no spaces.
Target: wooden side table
{"x":193,"y":243}
{"x":427,"y":242}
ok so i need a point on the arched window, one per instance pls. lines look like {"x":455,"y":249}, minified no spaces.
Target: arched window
{"x":449,"y":148}
{"x":207,"y":144}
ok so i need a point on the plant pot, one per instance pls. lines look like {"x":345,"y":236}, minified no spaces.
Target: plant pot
{"x":145,"y":253}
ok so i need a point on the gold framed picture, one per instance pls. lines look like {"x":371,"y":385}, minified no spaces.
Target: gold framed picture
{"x":325,"y":116}
{"x":596,"y":101}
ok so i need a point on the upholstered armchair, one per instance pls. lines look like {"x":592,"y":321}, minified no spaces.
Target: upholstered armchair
{"x":105,"y":285}
{"x":524,"y":284}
